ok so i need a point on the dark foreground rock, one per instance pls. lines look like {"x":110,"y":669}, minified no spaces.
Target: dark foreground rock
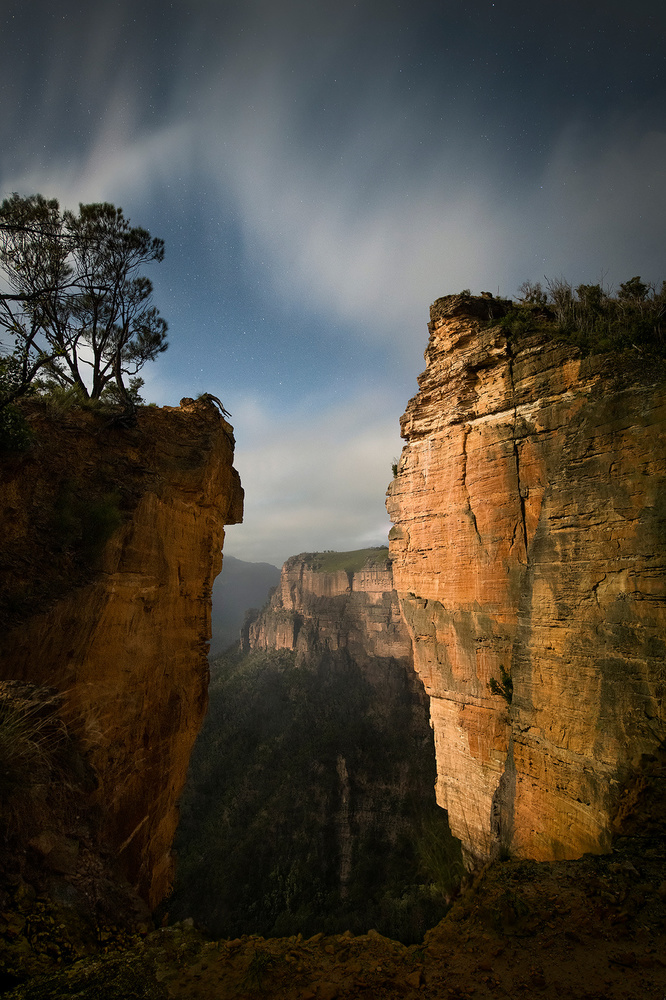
{"x":593,"y":928}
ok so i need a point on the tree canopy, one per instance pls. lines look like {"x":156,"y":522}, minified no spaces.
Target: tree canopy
{"x":73,"y":304}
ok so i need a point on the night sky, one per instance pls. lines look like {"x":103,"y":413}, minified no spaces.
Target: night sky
{"x":321,"y":172}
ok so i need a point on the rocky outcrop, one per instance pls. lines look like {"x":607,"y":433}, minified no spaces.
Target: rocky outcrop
{"x":316,"y":608}
{"x":113,"y":538}
{"x":529,"y":556}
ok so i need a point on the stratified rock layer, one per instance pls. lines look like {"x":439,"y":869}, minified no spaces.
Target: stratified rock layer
{"x":529,"y":537}
{"x":127,"y":645}
{"x":313,"y":610}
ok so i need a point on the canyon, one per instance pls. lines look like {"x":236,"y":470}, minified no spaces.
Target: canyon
{"x":524,"y":583}
{"x":310,"y":801}
{"x":529,"y":557}
{"x":112,"y":539}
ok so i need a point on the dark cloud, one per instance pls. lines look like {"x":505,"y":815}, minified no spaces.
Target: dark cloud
{"x":321,"y":172}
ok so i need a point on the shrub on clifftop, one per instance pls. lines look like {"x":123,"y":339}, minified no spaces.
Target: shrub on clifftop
{"x":592,"y":317}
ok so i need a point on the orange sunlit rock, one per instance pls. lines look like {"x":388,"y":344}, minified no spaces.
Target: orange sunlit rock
{"x":528,"y":538}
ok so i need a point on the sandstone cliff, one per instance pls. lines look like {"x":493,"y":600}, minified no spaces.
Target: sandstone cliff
{"x":319,"y":606}
{"x":112,"y":539}
{"x":529,"y":540}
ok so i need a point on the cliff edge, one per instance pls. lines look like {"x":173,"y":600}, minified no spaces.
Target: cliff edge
{"x":112,"y":540}
{"x":529,"y":556}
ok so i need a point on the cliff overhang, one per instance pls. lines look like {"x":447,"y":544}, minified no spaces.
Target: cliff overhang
{"x":113,"y":537}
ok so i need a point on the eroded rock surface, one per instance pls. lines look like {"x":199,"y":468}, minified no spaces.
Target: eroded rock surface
{"x":529,"y":538}
{"x":314,"y":609}
{"x":120,"y":624}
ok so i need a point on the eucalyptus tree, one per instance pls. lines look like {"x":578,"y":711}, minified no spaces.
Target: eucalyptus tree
{"x":74,"y":304}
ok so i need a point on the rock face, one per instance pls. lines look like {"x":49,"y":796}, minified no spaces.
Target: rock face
{"x":314,"y":609}
{"x":122,"y":619}
{"x":529,"y":543}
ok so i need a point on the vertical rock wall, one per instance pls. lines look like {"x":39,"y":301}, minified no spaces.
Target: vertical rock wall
{"x":126,"y":640}
{"x":312,"y":610}
{"x":529,"y":540}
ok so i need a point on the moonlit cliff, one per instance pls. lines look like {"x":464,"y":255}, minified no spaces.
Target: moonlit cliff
{"x":529,"y":556}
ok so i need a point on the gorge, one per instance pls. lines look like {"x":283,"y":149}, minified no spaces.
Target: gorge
{"x":310,"y":801}
{"x":520,"y":611}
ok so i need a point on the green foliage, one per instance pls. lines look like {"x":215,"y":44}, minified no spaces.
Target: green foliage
{"x":532,"y":293}
{"x":61,"y":399}
{"x":634,"y":290}
{"x":15,"y":433}
{"x":113,"y":395}
{"x":503,"y":687}
{"x":440,"y":855}
{"x":77,"y":309}
{"x":259,"y":843}
{"x":592,"y":318}
{"x":348,"y":562}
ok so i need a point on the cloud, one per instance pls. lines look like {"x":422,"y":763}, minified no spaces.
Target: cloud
{"x":356,"y":197}
{"x":313,"y":480}
{"x":603,"y":203}
{"x":355,"y":236}
{"x":118,"y":165}
{"x":357,"y":192}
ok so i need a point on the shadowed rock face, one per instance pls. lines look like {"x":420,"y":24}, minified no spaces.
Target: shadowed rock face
{"x":529,"y":536}
{"x":127,"y":640}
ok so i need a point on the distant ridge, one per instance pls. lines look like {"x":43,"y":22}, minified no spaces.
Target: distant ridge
{"x":241,"y":585}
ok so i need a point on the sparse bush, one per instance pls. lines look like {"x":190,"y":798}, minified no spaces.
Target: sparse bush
{"x":591,"y":317}
{"x":503,"y":687}
{"x":532,"y":293}
{"x":113,"y":395}
{"x":61,"y":399}
{"x":30,"y":740}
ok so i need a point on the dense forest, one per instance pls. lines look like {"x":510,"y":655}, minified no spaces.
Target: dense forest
{"x":310,"y":803}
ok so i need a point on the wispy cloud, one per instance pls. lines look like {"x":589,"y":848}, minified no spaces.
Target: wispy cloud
{"x":365,"y":169}
{"x":312,"y":481}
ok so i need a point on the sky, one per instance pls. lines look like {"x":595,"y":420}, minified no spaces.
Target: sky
{"x":320,"y":173}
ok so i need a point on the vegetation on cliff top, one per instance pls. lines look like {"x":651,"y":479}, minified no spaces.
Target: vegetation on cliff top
{"x":76,"y":312}
{"x":347,"y":562}
{"x":593,"y":318}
